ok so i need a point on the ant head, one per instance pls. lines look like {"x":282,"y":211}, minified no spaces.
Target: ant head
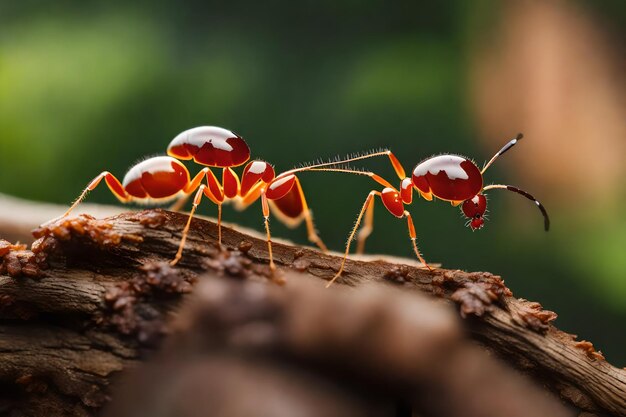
{"x":474,"y":209}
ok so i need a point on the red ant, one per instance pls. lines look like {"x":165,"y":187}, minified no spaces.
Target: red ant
{"x":447,"y":177}
{"x":164,"y":178}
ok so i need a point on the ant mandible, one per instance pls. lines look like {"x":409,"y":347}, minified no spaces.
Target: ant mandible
{"x":164,"y":178}
{"x":447,"y":177}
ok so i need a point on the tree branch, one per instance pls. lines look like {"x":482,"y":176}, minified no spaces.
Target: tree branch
{"x":93,"y":294}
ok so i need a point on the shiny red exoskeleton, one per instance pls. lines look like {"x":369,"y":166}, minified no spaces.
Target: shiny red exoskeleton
{"x":447,"y":177}
{"x":216,"y":147}
{"x":165,"y":178}
{"x":154,"y":180}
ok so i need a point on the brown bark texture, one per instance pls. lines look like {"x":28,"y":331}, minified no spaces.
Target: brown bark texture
{"x":92,"y":300}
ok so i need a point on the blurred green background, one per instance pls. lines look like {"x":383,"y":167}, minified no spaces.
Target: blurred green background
{"x":95,"y":87}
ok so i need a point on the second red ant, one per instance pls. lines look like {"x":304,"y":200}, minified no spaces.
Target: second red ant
{"x":448,"y":177}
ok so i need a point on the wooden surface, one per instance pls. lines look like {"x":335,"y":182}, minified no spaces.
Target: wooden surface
{"x":93,"y":295}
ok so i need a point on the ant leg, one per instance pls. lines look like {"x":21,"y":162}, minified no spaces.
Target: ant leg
{"x":413,"y":236}
{"x":219,"y":225}
{"x":266,"y":216}
{"x":292,"y":208}
{"x":253,"y":195}
{"x":546,"y":219}
{"x":214,"y":186}
{"x":505,"y":148}
{"x":397,"y":166}
{"x":114,"y":185}
{"x":368,"y":201}
{"x":366,"y":230}
{"x":208,"y":191}
{"x":190,"y":188}
{"x":370,"y":174}
{"x":183,"y":238}
{"x":308,"y":218}
{"x":214,"y":192}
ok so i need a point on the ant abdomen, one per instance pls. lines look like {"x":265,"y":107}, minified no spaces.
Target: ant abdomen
{"x":158,"y":178}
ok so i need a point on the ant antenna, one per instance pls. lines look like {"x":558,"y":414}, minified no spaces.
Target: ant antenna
{"x":505,"y":148}
{"x":546,"y":219}
{"x":338,"y":162}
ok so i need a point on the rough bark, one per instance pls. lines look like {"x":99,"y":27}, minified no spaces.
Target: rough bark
{"x":19,"y":217}
{"x":92,"y":296}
